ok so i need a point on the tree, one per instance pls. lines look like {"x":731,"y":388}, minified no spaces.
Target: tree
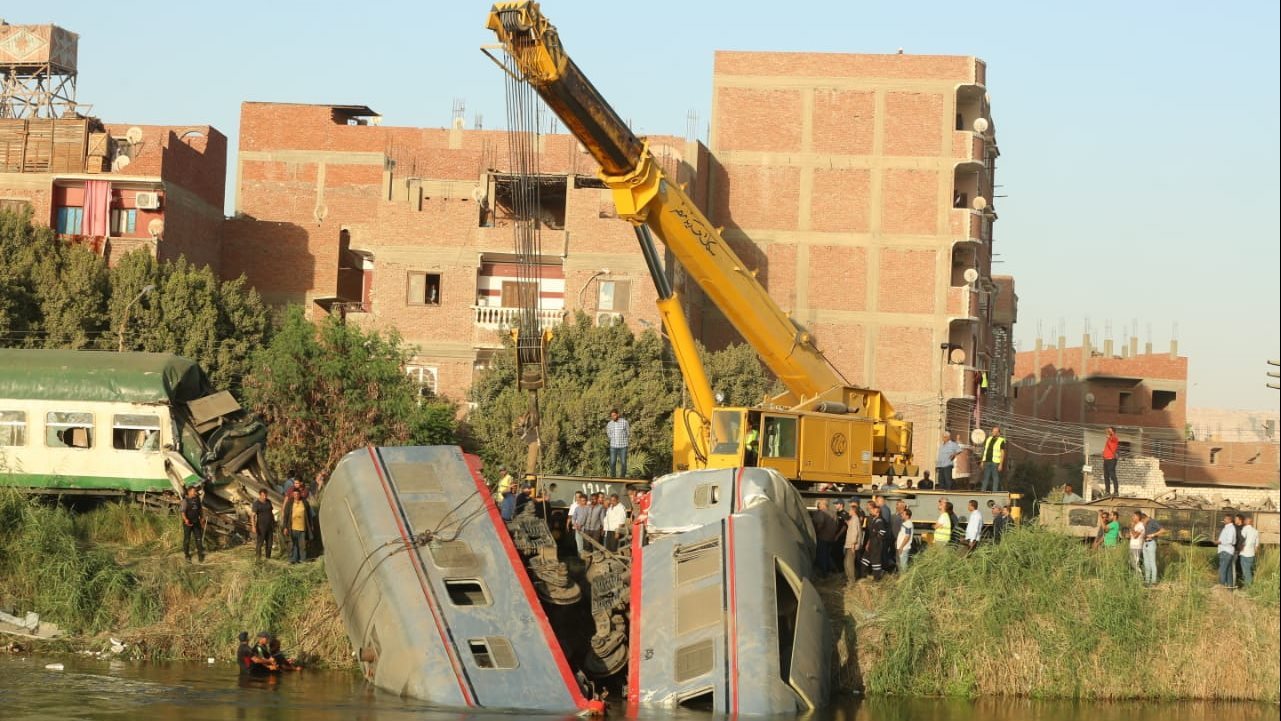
{"x":327,"y":389}
{"x":59,"y":295}
{"x":189,"y":312}
{"x":52,"y":295}
{"x":591,"y":370}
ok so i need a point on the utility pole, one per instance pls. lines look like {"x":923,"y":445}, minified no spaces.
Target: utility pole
{"x":1274,"y":375}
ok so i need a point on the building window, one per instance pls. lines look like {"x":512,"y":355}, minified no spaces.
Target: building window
{"x":123,"y":220}
{"x":13,"y":428}
{"x":613,"y":295}
{"x":68,"y":429}
{"x":68,"y":220}
{"x":1125,"y":402}
{"x":134,"y":432}
{"x":424,"y":378}
{"x":17,"y":207}
{"x":1162,"y":399}
{"x":423,"y":288}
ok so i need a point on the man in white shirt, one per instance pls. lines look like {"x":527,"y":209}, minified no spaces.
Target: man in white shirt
{"x":1136,"y":541}
{"x":1227,"y":550}
{"x":904,"y":543}
{"x":973,"y":527}
{"x":1249,"y":549}
{"x":570,"y":528}
{"x":615,"y":522}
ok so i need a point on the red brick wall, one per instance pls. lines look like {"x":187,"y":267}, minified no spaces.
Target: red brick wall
{"x":744,"y":113}
{"x":912,"y":124}
{"x":909,"y":202}
{"x":838,"y":277}
{"x":758,"y":197}
{"x":841,"y":201}
{"x":907,"y":281}
{"x":844,"y":65}
{"x":902,"y":364}
{"x":844,"y":121}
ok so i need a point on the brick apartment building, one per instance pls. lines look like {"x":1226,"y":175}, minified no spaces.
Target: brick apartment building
{"x":112,"y":187}
{"x":860,"y":187}
{"x":1143,"y":394}
{"x":411,"y":228}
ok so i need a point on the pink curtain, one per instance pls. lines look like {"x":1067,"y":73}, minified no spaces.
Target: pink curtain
{"x":97,"y":207}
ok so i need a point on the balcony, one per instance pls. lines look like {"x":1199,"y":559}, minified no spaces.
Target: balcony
{"x":500,"y":318}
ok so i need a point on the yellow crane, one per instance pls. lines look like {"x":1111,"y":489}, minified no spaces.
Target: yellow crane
{"x":821,"y":429}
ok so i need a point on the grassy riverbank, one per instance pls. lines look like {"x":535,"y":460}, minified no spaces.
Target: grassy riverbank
{"x":1043,"y":616}
{"x":116,"y":570}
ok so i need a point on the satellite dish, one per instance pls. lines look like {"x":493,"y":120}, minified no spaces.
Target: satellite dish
{"x":987,"y":98}
{"x":120,"y":163}
{"x":980,"y":125}
{"x":971,"y":275}
{"x":478,"y":194}
{"x":1089,"y":398}
{"x":977,"y":436}
{"x":956,"y":356}
{"x":134,"y":135}
{"x":156,"y":227}
{"x":979,"y":202}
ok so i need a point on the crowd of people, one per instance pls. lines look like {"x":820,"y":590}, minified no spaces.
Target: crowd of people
{"x":297,"y":521}
{"x":873,"y":537}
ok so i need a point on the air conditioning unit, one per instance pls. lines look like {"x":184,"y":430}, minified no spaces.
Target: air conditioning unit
{"x":147,"y":200}
{"x":607,"y":319}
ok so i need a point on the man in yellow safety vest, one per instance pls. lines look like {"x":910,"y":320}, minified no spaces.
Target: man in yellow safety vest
{"x":993,"y":460}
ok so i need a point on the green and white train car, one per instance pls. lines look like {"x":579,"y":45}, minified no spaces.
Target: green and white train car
{"x":95,"y":422}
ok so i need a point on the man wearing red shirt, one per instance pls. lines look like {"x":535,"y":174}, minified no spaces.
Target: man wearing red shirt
{"x":1110,"y":485}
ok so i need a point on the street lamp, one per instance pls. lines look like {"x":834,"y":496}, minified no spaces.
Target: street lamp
{"x":124,"y":323}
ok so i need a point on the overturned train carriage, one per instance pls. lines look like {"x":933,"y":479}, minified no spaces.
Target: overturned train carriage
{"x":445,"y":602}
{"x":432,"y":590}
{"x":726,"y":618}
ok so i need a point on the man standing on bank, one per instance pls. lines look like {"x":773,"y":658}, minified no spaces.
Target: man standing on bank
{"x":264,"y":522}
{"x":993,"y":460}
{"x":193,"y":524}
{"x":619,"y":433}
{"x":1110,"y":485}
{"x":296,"y":517}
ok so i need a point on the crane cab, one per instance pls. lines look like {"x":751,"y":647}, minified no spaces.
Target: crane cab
{"x":804,"y":447}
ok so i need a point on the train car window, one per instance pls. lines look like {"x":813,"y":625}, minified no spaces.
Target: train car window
{"x":13,"y":428}
{"x":68,"y":429}
{"x":135,"y":432}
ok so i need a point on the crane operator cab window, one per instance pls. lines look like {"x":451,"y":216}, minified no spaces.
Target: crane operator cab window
{"x":727,"y":433}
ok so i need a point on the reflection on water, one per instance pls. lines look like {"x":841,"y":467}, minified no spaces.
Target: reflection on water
{"x":94,"y":690}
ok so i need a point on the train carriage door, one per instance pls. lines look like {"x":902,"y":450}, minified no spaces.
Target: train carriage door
{"x":778,"y":444}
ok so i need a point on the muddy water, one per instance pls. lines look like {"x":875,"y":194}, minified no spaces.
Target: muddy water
{"x":96,"y":690}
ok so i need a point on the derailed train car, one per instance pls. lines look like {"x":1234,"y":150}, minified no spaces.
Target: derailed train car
{"x":710,"y":606}
{"x":100,"y":423}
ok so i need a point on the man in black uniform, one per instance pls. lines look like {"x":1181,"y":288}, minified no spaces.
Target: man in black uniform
{"x":264,"y":524}
{"x":193,"y":524}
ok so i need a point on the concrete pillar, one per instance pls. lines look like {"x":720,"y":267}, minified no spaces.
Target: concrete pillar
{"x":1147,"y":348}
{"x":1134,"y":345}
{"x":1174,"y":347}
{"x":1107,"y":347}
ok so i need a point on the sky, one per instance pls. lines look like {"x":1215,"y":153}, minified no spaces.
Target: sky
{"x":1139,"y":140}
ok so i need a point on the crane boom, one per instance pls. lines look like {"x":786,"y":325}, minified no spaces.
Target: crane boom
{"x":644,"y":195}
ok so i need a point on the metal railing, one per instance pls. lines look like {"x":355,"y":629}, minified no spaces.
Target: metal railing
{"x":500,"y":318}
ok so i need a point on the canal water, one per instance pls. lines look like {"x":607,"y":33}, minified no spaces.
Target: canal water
{"x":99,"y":690}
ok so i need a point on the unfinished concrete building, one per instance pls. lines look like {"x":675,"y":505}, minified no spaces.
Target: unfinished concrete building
{"x":860,"y":189}
{"x":411,"y":228}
